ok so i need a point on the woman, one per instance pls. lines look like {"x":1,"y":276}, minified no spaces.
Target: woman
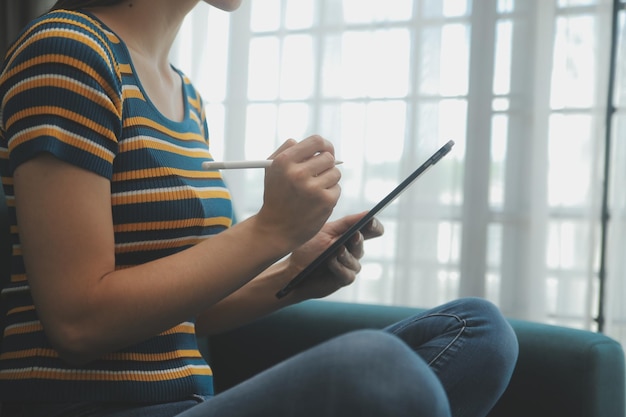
{"x":124,"y":250}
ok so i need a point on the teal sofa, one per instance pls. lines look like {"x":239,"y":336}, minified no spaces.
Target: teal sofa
{"x":561,"y":372}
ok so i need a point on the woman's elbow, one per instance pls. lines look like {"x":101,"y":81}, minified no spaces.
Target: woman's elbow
{"x":74,"y":344}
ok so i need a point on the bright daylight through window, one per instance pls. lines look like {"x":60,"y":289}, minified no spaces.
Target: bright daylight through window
{"x":511,"y":214}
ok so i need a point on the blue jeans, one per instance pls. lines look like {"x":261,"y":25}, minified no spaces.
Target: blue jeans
{"x":453,"y":360}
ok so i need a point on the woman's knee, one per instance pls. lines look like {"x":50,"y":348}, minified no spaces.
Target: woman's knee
{"x":382,"y":375}
{"x":494,"y":339}
{"x":496,"y":330}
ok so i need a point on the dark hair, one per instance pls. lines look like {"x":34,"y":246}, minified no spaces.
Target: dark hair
{"x":79,"y":4}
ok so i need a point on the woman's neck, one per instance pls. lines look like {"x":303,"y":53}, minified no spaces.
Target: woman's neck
{"x":147,"y":27}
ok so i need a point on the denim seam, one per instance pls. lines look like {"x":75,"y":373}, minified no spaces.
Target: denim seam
{"x":461,"y":330}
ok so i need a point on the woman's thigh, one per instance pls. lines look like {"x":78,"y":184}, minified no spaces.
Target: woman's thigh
{"x":363,"y":373}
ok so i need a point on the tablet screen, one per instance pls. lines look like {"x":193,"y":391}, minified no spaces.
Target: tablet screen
{"x":332,"y":249}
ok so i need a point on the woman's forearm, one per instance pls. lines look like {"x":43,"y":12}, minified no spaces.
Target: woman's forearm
{"x":254,"y":300}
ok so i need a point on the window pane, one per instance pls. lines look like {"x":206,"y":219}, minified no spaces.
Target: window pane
{"x":454,"y":59}
{"x":365,"y":65}
{"x":437,"y":123}
{"x":263,"y":73}
{"x":499,"y":135}
{"x":297,"y":67}
{"x":494,"y":243}
{"x":370,"y":11}
{"x":384,"y":132}
{"x":567,"y":240}
{"x":571,"y":160}
{"x":506,"y":6}
{"x":293,"y":121}
{"x":299,"y":14}
{"x":331,"y":63}
{"x":370,"y":142}
{"x":348,"y":132}
{"x":444,"y":60}
{"x":265,"y":15}
{"x":573,"y":77}
{"x":448,"y":242}
{"x":502,"y":70}
{"x":260,"y":131}
{"x":569,"y":301}
{"x":452,"y":122}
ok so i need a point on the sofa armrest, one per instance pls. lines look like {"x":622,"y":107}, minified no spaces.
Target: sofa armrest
{"x":564,"y":372}
{"x":560,"y":371}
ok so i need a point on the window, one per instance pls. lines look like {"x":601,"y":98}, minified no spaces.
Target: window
{"x":512,"y":214}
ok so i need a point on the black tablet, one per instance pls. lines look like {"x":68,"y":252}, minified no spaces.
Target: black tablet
{"x":332,"y":249}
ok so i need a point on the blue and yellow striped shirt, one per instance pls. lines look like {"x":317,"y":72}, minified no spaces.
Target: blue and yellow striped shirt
{"x":68,"y":88}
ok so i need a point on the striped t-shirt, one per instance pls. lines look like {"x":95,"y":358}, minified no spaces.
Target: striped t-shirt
{"x":68,"y":87}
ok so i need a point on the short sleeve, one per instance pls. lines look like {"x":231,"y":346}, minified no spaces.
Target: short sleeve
{"x":61,"y":93}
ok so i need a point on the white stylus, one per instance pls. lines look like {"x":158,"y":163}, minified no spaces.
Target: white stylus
{"x":241,"y":164}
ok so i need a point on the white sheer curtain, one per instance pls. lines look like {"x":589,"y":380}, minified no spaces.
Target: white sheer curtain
{"x":512,"y":214}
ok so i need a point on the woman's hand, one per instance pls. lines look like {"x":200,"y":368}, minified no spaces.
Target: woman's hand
{"x":340,"y":270}
{"x":301,"y":191}
{"x":258,"y":297}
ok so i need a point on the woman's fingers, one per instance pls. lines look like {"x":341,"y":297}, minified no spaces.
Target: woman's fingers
{"x":301,"y":189}
{"x":287,"y":144}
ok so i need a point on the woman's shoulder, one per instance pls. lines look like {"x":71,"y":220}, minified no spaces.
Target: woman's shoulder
{"x":71,"y":36}
{"x":67,"y":24}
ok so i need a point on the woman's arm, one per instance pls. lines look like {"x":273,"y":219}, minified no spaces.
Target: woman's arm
{"x":89,"y":308}
{"x":258,"y":297}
